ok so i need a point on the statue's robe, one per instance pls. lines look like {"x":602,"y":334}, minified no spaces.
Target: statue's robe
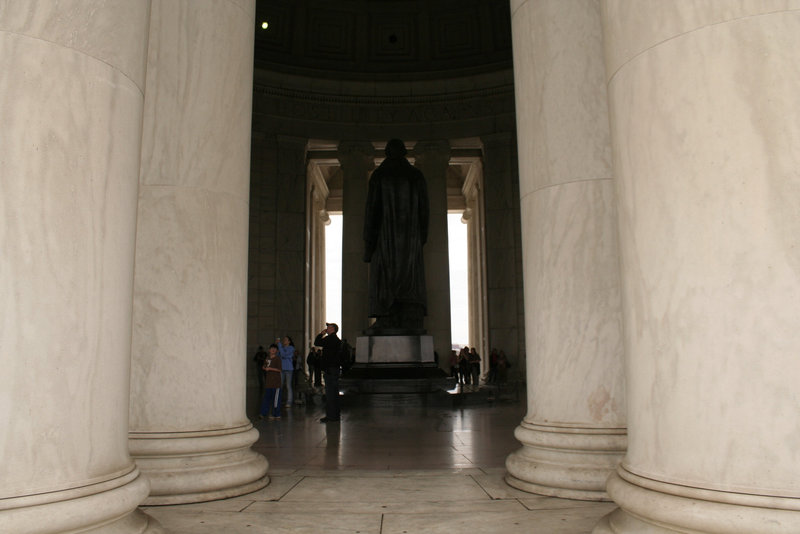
{"x":395,"y":230}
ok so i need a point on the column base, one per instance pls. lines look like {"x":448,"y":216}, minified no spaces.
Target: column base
{"x":188,"y":467}
{"x":653,"y":507}
{"x":106,"y":507}
{"x":565,"y":462}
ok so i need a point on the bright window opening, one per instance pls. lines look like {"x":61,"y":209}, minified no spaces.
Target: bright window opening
{"x":459,"y":282}
{"x":333,"y":270}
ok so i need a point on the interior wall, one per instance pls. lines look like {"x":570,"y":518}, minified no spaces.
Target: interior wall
{"x":287,"y":115}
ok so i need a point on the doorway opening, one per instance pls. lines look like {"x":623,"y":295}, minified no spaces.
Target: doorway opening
{"x":467,"y":263}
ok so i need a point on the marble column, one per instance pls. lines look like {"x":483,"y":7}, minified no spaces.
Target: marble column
{"x":433,"y":159}
{"x":474,"y":217}
{"x":71,"y":93}
{"x":705,"y":128}
{"x":573,"y":435}
{"x":188,"y":428}
{"x":357,"y":160}
{"x":317,"y":219}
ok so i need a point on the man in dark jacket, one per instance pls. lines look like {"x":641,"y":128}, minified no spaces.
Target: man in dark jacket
{"x":331,"y":344}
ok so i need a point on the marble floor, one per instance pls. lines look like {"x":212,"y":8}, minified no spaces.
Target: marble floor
{"x":388,"y":470}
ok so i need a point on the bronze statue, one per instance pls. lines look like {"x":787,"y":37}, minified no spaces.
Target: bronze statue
{"x":395,"y":230}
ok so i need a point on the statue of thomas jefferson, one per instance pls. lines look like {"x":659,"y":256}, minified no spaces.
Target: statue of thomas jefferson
{"x":395,"y":230}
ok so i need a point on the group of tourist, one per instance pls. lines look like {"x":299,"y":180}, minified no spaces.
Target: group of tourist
{"x":275,"y":370}
{"x":278,"y":370}
{"x":465,"y":366}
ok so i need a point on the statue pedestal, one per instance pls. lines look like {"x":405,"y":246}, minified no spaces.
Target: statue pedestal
{"x":392,"y":350}
{"x":395,"y":364}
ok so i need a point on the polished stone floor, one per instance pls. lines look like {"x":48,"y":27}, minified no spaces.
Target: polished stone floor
{"x":401,"y":469}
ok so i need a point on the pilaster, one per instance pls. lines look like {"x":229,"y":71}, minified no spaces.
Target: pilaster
{"x":433,"y":159}
{"x":357,"y":159}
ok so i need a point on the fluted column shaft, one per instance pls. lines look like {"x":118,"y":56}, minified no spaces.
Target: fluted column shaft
{"x":433,"y":159}
{"x":705,"y":124}
{"x":71,"y":93}
{"x":188,"y":429}
{"x":357,"y":160}
{"x":573,"y":435}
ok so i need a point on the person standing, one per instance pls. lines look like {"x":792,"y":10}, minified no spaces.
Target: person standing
{"x":286,"y":350}
{"x":313,"y":361}
{"x":259,"y":358}
{"x":331,"y":345}
{"x":454,"y":366}
{"x":475,"y":367}
{"x":271,"y":403}
{"x":492,"y":376}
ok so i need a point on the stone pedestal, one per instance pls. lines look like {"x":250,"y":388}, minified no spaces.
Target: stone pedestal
{"x":406,"y":350}
{"x":395,"y":364}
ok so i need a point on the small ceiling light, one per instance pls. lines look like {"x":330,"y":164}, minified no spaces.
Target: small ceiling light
{"x":264,"y":25}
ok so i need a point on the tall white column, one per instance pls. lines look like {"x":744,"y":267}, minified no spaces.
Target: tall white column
{"x":574,"y":434}
{"x":706,"y":130}
{"x":71,"y":87}
{"x":358,"y":161}
{"x":189,"y":432}
{"x":433,"y":159}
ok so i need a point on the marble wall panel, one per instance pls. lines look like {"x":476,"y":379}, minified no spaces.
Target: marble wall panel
{"x":569,"y":138}
{"x":575,"y":318}
{"x":630,"y":32}
{"x":197,"y":149}
{"x":190,"y":257}
{"x":68,"y":168}
{"x":709,"y":190}
{"x":502,"y":308}
{"x":81,"y":26}
{"x":290,"y":233}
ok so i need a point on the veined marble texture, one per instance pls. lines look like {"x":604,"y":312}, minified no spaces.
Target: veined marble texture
{"x":573,"y":322}
{"x":190,"y":308}
{"x":200,"y":135}
{"x":68,"y":168}
{"x":632,"y":31}
{"x":706,"y":128}
{"x":561,"y":108}
{"x":111,"y":33}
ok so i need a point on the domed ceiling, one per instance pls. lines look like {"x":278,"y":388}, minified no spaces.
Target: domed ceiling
{"x":381,"y":39}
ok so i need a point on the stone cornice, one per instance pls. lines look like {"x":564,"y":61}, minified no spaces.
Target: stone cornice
{"x":353,"y":108}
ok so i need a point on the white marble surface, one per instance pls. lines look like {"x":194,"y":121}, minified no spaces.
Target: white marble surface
{"x":709,"y":208}
{"x":189,"y":431}
{"x":385,"y":502}
{"x":562,"y":123}
{"x":109,"y":32}
{"x":71,"y":115}
{"x":195,"y":82}
{"x":573,"y":433}
{"x":630,"y":32}
{"x":574,"y":328}
{"x":191,"y":265}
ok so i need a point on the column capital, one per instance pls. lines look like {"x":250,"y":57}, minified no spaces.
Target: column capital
{"x":435,"y":154}
{"x":356,"y":154}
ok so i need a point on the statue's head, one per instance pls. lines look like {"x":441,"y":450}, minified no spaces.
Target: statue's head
{"x":395,"y":148}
